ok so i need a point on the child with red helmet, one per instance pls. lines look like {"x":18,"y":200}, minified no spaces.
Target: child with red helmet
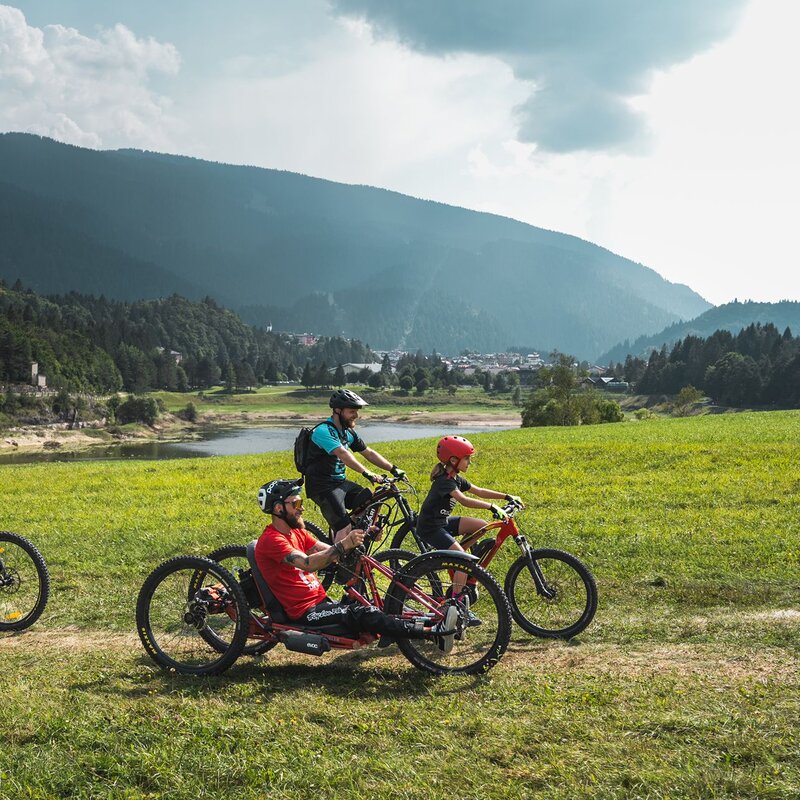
{"x":435,"y":526}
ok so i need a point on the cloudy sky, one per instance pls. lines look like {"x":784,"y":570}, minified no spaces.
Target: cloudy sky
{"x":663,"y":130}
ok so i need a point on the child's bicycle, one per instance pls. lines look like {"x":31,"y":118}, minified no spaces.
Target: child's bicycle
{"x":24,"y":582}
{"x":551,"y":592}
{"x":197,"y":615}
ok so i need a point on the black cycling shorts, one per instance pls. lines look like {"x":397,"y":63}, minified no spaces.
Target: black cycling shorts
{"x":442,"y":538}
{"x":335,"y":503}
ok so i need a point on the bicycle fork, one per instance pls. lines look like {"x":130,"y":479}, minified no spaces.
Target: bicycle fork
{"x":533,"y":567}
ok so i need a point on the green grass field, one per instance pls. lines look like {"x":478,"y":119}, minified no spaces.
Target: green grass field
{"x":685,"y":686}
{"x":296,"y":400}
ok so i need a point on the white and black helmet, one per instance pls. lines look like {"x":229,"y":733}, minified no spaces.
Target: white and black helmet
{"x":344,"y":398}
{"x":276,"y":492}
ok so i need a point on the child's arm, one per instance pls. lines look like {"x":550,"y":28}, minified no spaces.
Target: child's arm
{"x":493,"y":495}
{"x":469,"y":502}
{"x":489,"y":494}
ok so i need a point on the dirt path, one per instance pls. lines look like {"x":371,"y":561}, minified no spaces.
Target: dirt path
{"x":719,"y":664}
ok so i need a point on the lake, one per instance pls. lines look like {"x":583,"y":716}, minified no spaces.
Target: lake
{"x":239,"y":441}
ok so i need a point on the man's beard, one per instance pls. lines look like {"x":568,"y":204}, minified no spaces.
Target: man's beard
{"x":295,"y":521}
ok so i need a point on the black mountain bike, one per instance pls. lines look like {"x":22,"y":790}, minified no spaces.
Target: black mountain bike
{"x":388,"y":511}
{"x":24,"y":582}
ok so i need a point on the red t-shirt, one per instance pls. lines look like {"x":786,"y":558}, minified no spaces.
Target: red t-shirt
{"x":296,"y":590}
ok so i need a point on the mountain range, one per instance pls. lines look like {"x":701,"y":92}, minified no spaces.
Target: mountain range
{"x":306,"y":254}
{"x":731,"y":317}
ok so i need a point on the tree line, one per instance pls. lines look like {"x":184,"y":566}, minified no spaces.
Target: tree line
{"x":757,"y":366}
{"x":92,"y":344}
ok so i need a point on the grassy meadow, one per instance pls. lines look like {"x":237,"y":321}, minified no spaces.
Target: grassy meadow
{"x":297,"y":401}
{"x":686,"y":685}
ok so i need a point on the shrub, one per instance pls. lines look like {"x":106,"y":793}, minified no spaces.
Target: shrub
{"x":587,"y":408}
{"x":138,"y":409}
{"x":189,"y":413}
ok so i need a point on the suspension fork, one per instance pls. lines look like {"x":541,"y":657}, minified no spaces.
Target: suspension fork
{"x":535,"y":570}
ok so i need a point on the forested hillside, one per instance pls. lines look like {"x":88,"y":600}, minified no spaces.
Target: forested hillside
{"x":757,"y":366}
{"x":86,"y":343}
{"x":309,"y":254}
{"x":730,"y":317}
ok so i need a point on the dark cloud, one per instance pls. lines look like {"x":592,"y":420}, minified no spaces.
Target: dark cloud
{"x":584,"y":57}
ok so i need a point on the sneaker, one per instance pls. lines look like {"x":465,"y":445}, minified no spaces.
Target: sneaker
{"x":444,"y":631}
{"x":461,"y":602}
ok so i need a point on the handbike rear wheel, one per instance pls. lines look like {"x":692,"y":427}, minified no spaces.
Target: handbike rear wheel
{"x":569,"y":601}
{"x":24,"y":582}
{"x":176,"y":626}
{"x":234,"y":558}
{"x":422,"y":591}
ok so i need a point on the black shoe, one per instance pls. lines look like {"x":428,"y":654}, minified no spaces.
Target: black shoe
{"x":470,"y":619}
{"x":444,"y":631}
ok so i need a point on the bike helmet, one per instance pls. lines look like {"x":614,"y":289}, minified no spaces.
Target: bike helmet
{"x":344,"y":398}
{"x":453,"y":447}
{"x":276,"y":492}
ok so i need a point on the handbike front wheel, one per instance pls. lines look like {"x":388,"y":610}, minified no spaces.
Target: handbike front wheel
{"x":24,"y":582}
{"x":234,"y":558}
{"x":562,"y":605}
{"x":423,"y":590}
{"x":178,"y":614}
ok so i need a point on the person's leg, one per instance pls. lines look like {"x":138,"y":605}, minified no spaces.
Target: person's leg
{"x":469,"y":525}
{"x":368,"y":619}
{"x":352,"y":495}
{"x":445,"y":539}
{"x":332,"y":506}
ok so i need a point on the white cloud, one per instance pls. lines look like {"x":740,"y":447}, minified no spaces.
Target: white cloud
{"x":361,"y":111}
{"x":56,"y":82}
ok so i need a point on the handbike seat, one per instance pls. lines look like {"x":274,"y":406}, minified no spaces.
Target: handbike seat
{"x":267,"y":597}
{"x":276,"y":610}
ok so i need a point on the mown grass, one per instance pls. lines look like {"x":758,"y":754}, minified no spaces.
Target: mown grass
{"x":686,"y":684}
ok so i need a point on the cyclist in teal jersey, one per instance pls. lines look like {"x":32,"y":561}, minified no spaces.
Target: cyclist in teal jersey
{"x":331,"y":449}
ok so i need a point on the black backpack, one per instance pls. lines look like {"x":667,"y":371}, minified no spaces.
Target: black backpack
{"x":303,"y":444}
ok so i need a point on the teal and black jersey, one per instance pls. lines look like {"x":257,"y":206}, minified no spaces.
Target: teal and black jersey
{"x":326,"y":471}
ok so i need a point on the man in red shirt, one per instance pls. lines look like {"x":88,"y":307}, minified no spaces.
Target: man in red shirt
{"x":288,"y":556}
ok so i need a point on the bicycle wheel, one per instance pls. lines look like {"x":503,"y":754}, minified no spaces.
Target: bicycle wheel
{"x":24,"y":582}
{"x":176,"y":625}
{"x":394,"y":560}
{"x":406,"y":539}
{"x":421,"y":589}
{"x":234,"y":558}
{"x":568,"y":601}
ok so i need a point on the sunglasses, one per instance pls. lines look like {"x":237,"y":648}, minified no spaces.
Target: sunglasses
{"x":297,"y":502}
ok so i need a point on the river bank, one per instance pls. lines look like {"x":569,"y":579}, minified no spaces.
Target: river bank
{"x":171,"y":428}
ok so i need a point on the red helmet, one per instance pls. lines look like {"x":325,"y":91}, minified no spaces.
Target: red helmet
{"x":453,"y":447}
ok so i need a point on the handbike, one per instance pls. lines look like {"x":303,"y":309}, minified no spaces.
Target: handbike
{"x":24,"y":582}
{"x":551,"y":592}
{"x":196,"y":616}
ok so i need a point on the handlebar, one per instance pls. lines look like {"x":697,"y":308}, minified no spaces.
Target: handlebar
{"x":511,"y":508}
